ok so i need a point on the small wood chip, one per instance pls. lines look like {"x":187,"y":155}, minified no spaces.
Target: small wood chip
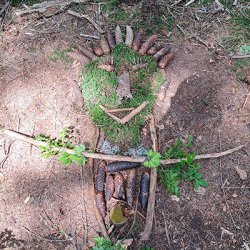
{"x":241,"y":173}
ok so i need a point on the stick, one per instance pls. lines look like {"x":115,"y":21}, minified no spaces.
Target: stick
{"x":187,"y":4}
{"x":245,"y":101}
{"x":240,"y":57}
{"x":112,"y":116}
{"x":4,"y":8}
{"x":119,"y":110}
{"x":178,"y":1}
{"x":152,"y":187}
{"x":166,"y":229}
{"x":215,"y":11}
{"x":136,"y":205}
{"x":133,"y":113}
{"x":141,"y":159}
{"x":48,"y":8}
{"x":90,"y":167}
{"x":88,"y":18}
{"x":90,"y":36}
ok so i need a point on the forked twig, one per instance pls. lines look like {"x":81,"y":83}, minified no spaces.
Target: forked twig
{"x":166,"y":229}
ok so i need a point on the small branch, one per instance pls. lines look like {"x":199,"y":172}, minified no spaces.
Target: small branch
{"x":120,"y":110}
{"x":117,"y":157}
{"x":88,"y":18}
{"x":133,"y":113}
{"x":90,"y":36}
{"x":215,"y":11}
{"x":166,"y":229}
{"x":246,"y":100}
{"x":176,"y":2}
{"x":136,"y":205}
{"x":4,"y":8}
{"x":152,"y":187}
{"x":112,"y":116}
{"x":240,"y":57}
{"x":188,"y":3}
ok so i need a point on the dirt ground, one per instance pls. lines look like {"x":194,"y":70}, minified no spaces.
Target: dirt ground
{"x":41,"y":200}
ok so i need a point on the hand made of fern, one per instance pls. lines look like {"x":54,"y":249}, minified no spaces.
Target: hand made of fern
{"x":171,"y":175}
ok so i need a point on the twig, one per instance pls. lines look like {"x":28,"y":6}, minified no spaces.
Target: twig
{"x":112,"y":116}
{"x":119,"y":110}
{"x":90,"y":36}
{"x":4,"y":8}
{"x":166,"y":229}
{"x":88,"y":18}
{"x":127,"y":117}
{"x":152,"y":187}
{"x":240,"y":57}
{"x":188,"y":3}
{"x":224,"y":194}
{"x":70,"y":238}
{"x":118,"y":157}
{"x":2,"y":26}
{"x":17,"y":77}
{"x":214,"y":12}
{"x":237,"y":187}
{"x":235,"y":2}
{"x":246,"y":100}
{"x":136,"y":205}
{"x":90,"y":166}
{"x":176,"y":2}
{"x":141,"y":215}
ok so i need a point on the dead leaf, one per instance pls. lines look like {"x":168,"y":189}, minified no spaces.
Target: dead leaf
{"x":11,"y":221}
{"x":241,"y":173}
{"x":235,"y":195}
{"x":201,"y":190}
{"x":225,"y":231}
{"x":175,"y":198}
{"x":126,"y":243}
{"x":224,"y":208}
{"x":246,"y":246}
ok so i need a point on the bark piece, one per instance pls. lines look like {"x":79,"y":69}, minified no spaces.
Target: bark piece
{"x":79,"y":57}
{"x":144,"y":189}
{"x":162,"y":91}
{"x":137,"y":40}
{"x":119,"y":186}
{"x":118,"y":35}
{"x":100,"y":203}
{"x":123,"y":88}
{"x":78,"y":94}
{"x":129,"y":36}
{"x":139,"y":66}
{"x":86,"y":52}
{"x":121,"y":165}
{"x":111,"y":40}
{"x":154,"y":49}
{"x":108,"y":68}
{"x":147,"y":44}
{"x":130,"y":186}
{"x":160,"y":53}
{"x":96,"y":49}
{"x":163,"y":62}
{"x":110,"y":187}
{"x":100,"y":176}
{"x":105,"y":46}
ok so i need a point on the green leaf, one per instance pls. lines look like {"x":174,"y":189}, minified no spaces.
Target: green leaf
{"x":61,"y":158}
{"x":183,"y":176}
{"x":190,"y":171}
{"x":48,"y":155}
{"x":203,"y":183}
{"x":198,"y":176}
{"x":154,"y":163}
{"x":146,"y":164}
{"x":190,"y":178}
{"x":150,"y":153}
{"x":196,"y":185}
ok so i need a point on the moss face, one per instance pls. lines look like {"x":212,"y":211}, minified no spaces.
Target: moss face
{"x":99,"y":87}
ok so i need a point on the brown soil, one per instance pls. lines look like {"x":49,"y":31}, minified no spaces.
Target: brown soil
{"x":41,"y":198}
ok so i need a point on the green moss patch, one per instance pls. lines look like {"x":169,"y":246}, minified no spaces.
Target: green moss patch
{"x":99,"y":87}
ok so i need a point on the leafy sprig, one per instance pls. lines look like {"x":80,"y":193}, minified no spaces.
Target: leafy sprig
{"x":185,"y":169}
{"x":103,"y":244}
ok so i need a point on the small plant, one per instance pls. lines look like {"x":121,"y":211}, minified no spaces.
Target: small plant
{"x":32,"y":49}
{"x":245,"y":48}
{"x":147,"y":248}
{"x":205,"y":101}
{"x":60,"y":55}
{"x":54,"y":147}
{"x":186,"y":168}
{"x":103,"y":244}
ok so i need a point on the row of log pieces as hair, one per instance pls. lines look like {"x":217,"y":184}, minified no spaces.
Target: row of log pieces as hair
{"x":118,"y":193}
{"x":160,"y":54}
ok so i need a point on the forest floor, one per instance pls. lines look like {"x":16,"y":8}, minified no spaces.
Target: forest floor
{"x":44,"y":203}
